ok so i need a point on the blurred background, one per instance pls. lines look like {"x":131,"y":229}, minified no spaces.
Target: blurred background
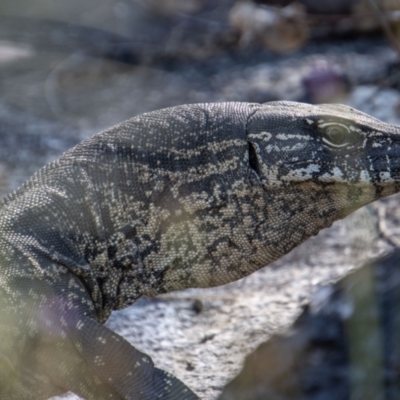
{"x":70,"y":69}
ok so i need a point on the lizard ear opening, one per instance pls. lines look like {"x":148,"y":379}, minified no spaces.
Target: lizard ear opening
{"x":253,"y":159}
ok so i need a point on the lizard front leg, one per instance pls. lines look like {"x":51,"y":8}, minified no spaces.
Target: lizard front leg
{"x":62,"y":347}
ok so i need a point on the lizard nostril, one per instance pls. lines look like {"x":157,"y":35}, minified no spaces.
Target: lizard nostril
{"x":253,"y":160}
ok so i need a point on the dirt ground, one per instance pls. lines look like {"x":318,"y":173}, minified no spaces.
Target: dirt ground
{"x":51,"y":100}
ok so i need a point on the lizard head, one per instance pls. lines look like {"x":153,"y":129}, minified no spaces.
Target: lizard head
{"x":348,"y":157}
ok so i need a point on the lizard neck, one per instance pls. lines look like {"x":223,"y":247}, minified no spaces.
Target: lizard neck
{"x":255,"y":228}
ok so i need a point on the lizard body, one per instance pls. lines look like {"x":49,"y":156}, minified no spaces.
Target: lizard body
{"x":190,"y":196}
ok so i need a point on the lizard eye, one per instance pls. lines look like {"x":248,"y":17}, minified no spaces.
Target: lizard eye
{"x":336,"y":135}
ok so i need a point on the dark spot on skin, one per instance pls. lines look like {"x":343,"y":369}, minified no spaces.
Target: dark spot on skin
{"x":129,"y":231}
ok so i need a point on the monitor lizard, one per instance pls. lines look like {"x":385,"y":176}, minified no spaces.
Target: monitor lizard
{"x":189,"y":196}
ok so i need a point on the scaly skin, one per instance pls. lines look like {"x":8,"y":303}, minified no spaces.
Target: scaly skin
{"x":190,"y":196}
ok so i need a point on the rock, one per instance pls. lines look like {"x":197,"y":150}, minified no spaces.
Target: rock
{"x":325,"y":83}
{"x":344,"y":344}
{"x":278,"y":29}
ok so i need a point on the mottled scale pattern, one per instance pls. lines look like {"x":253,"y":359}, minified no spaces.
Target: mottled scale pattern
{"x":190,"y":196}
